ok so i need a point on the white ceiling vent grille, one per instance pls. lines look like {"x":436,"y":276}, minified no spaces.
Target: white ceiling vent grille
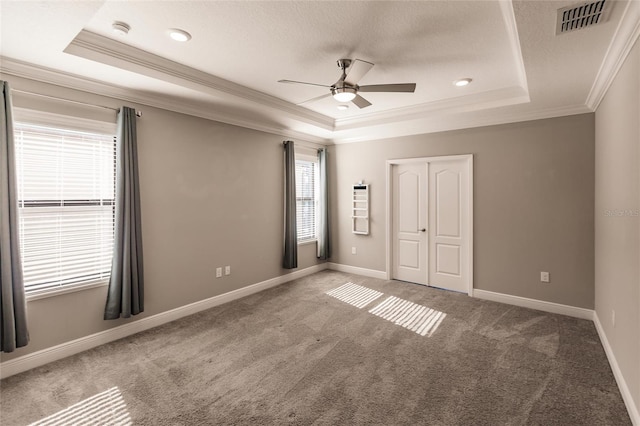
{"x":581,"y":15}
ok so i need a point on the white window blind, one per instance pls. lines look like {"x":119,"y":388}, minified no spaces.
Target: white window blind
{"x":66,"y":205}
{"x":306,"y":199}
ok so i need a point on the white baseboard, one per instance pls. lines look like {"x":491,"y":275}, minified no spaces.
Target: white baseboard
{"x":358,"y":271}
{"x":588,"y":314}
{"x":632,"y":409}
{"x":540,"y":305}
{"x":45,"y":356}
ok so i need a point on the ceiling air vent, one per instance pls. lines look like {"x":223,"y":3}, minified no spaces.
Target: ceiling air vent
{"x":581,"y":15}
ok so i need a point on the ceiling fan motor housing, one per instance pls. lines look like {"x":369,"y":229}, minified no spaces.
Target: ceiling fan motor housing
{"x":343,"y":88}
{"x":343,"y":92}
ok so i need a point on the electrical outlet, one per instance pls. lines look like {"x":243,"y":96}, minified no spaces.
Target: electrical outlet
{"x":218,"y":272}
{"x":613,"y":318}
{"x":227,"y":270}
{"x":354,"y":250}
{"x":544,"y":277}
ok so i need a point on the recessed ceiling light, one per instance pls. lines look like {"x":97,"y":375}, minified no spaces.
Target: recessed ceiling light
{"x":343,"y":107}
{"x":178,"y":34}
{"x":120,"y":28}
{"x":462,"y":82}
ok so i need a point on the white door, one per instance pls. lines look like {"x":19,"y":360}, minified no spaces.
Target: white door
{"x":409,"y":222}
{"x":449,"y":237}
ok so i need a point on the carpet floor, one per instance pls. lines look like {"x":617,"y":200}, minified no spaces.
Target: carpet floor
{"x":319,"y":350}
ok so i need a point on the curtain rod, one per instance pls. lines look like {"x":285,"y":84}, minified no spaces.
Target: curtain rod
{"x":138,"y":113}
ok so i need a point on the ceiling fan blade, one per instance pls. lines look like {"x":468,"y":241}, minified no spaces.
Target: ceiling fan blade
{"x":361,"y":102}
{"x":301,"y":82}
{"x":402,"y":87}
{"x":357,"y":70}
{"x":317,"y":98}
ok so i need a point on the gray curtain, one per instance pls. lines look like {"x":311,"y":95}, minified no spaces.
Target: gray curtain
{"x":126,"y":284}
{"x":324,"y":231}
{"x":13,"y":314}
{"x":290,"y":258}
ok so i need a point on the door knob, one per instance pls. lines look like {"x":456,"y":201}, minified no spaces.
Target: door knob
{"x":423,"y":230}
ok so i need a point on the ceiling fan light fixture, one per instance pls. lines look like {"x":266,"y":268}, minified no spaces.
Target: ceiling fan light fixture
{"x":178,"y":34}
{"x":462,"y":82}
{"x":120,"y":28}
{"x":346,"y":88}
{"x":343,"y":94}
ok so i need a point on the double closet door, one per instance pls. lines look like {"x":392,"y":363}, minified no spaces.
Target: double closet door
{"x":431,"y":222}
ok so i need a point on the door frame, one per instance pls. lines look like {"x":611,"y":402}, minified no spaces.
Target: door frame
{"x":389,"y":207}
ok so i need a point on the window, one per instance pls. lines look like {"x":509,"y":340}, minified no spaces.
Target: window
{"x":66,"y":185}
{"x":306,"y":202}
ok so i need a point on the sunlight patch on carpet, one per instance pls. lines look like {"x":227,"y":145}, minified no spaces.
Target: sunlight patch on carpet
{"x":354,"y":294}
{"x":418,"y":318}
{"x":105,"y":408}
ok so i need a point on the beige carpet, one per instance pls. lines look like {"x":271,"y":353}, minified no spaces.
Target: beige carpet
{"x":373,"y":352}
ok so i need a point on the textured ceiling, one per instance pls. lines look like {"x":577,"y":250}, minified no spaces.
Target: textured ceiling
{"x":255,"y":44}
{"x":240,"y":49}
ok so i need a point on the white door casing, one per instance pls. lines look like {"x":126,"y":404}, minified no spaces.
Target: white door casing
{"x":446,"y":206}
{"x":409,"y":220}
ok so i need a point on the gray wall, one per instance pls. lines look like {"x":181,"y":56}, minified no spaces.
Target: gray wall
{"x":533,"y":203}
{"x":211,"y":196}
{"x":617,"y":225}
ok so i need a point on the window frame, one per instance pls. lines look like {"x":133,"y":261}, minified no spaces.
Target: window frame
{"x":308,"y":158}
{"x":56,"y":122}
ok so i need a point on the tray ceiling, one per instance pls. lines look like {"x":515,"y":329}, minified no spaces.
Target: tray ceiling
{"x":239,"y":50}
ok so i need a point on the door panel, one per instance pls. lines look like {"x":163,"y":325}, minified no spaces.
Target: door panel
{"x":447,"y":197}
{"x":408,"y":201}
{"x":409,"y":254}
{"x":448,"y":259}
{"x":448,"y":236}
{"x":409,"y":218}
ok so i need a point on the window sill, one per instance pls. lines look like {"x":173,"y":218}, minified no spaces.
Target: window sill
{"x":57,"y":291}
{"x":306,"y":242}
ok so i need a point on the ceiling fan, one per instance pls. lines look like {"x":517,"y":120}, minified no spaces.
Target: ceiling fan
{"x":346,"y":88}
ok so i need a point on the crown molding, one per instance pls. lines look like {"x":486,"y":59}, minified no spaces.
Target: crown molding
{"x":506,"y":7}
{"x":489,"y":99}
{"x":430,"y":119}
{"x":623,"y":40}
{"x":469,"y":120}
{"x":25,"y":70}
{"x":101,"y":49}
{"x":514,"y":116}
